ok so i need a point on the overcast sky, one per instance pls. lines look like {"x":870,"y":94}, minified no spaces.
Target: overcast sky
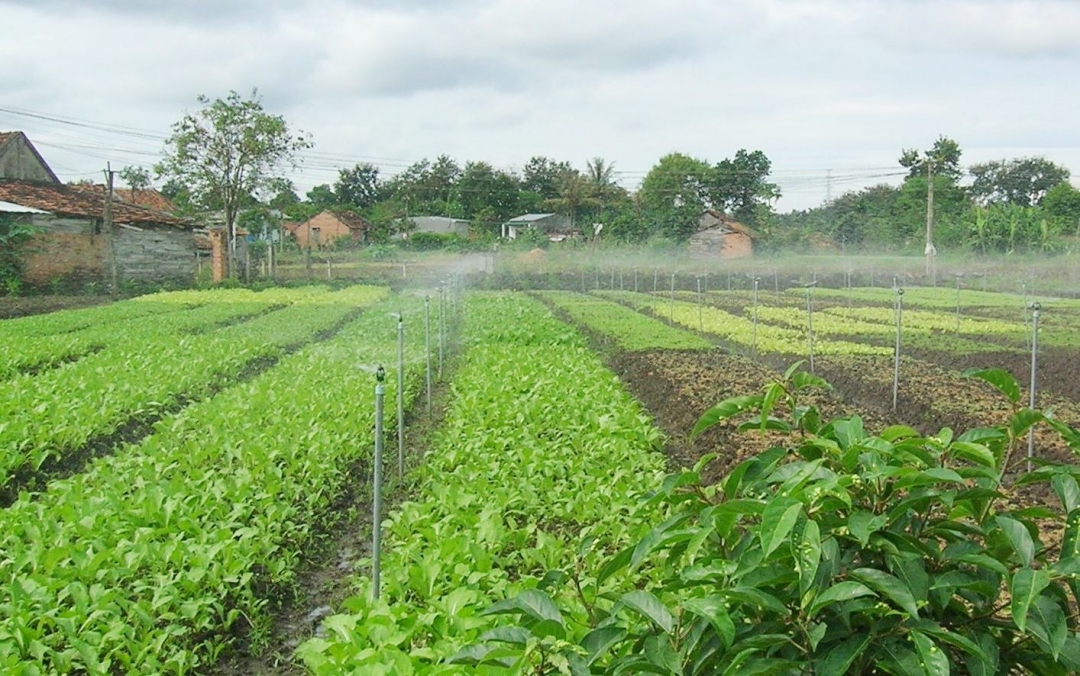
{"x":830,"y":90}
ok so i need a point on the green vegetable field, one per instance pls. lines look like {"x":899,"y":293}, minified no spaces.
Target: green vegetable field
{"x":611,"y":482}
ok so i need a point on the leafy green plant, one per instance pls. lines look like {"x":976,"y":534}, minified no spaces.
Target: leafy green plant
{"x":840,"y":551}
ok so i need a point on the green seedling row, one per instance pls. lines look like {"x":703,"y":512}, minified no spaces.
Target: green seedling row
{"x":537,"y":471}
{"x":630,"y":330}
{"x":740,"y":330}
{"x":66,"y":321}
{"x":939,"y":297}
{"x":155,"y":557}
{"x":41,"y":352}
{"x":49,"y":415}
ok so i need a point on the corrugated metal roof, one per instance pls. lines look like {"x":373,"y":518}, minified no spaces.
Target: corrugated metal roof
{"x":12,"y":208}
{"x":529,"y":218}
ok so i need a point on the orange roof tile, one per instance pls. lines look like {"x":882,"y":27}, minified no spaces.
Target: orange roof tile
{"x":86,"y":201}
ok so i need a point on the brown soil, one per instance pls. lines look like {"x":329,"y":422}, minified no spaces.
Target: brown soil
{"x":16,"y":306}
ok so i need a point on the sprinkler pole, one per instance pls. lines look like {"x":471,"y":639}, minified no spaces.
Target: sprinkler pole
{"x":635,"y":281}
{"x":442,"y":327}
{"x":427,"y":347}
{"x":671,"y":308}
{"x":1035,"y":307}
{"x":701,"y":326}
{"x":753,"y":345}
{"x":896,"y":352}
{"x":810,"y":323}
{"x":400,"y":397}
{"x":376,"y":522}
{"x":958,"y":303}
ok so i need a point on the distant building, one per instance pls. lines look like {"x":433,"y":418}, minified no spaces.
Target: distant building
{"x":555,"y":227}
{"x":323,"y":229}
{"x":437,"y":225}
{"x":721,"y":238}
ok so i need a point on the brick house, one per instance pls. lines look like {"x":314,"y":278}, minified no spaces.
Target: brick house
{"x":322,"y":229}
{"x":721,"y":238}
{"x":70,"y":243}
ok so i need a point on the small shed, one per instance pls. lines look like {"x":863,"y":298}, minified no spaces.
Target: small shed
{"x":720,"y":237}
{"x":556,"y":227}
{"x":438,"y":225}
{"x":324,"y":228}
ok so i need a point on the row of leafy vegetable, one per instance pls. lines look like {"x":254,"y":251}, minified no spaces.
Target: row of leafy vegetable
{"x":630,"y":330}
{"x":153,"y":364}
{"x":533,"y":479}
{"x":154,"y":558}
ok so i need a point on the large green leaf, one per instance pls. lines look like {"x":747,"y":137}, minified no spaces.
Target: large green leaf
{"x":1019,"y":537}
{"x":1025,"y":587}
{"x":838,"y":658}
{"x":600,"y":640}
{"x":724,"y":410}
{"x":777,"y":521}
{"x":1046,"y":622}
{"x":1000,"y":379}
{"x":934,"y":660}
{"x":534,"y":604}
{"x":889,"y":586}
{"x":1068,"y":491}
{"x":651,"y":608}
{"x":713,"y":609}
{"x":842,"y":591}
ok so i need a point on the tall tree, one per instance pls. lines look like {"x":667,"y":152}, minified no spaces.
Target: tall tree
{"x":1023,"y":182}
{"x":230,"y":149}
{"x":740,"y":186}
{"x":359,"y":186}
{"x":1062,"y":205}
{"x":674,"y":194}
{"x":541,"y":177}
{"x":944,"y":159}
{"x":322,"y":197}
{"x":575,"y":193}
{"x":488,"y":195}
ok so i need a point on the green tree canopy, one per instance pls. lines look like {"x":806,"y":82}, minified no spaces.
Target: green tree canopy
{"x":740,"y":186}
{"x":229,"y":150}
{"x":359,"y":186}
{"x":943,"y":157}
{"x":1023,"y":182}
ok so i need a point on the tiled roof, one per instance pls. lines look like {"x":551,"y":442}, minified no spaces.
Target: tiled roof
{"x":149,"y":198}
{"x":86,"y":201}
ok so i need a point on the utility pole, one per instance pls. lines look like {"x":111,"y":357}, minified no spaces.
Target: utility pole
{"x":931,"y":252}
{"x":107,"y":226}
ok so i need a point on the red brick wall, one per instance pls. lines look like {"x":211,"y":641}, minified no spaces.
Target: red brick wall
{"x":737,"y":245}
{"x":67,"y":255}
{"x":328,"y":228}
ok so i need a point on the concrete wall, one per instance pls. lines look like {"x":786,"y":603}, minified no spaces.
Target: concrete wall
{"x":720,"y":243}
{"x":155,"y":253}
{"x":19,"y":162}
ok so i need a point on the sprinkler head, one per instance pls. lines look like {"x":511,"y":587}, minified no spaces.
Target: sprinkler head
{"x":1036,"y":307}
{"x":380,"y":374}
{"x":900,"y":291}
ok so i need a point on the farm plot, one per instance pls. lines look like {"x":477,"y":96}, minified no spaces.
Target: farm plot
{"x":155,"y":558}
{"x":628,"y":329}
{"x":738,"y":332}
{"x":538,"y":467}
{"x":82,"y":408}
